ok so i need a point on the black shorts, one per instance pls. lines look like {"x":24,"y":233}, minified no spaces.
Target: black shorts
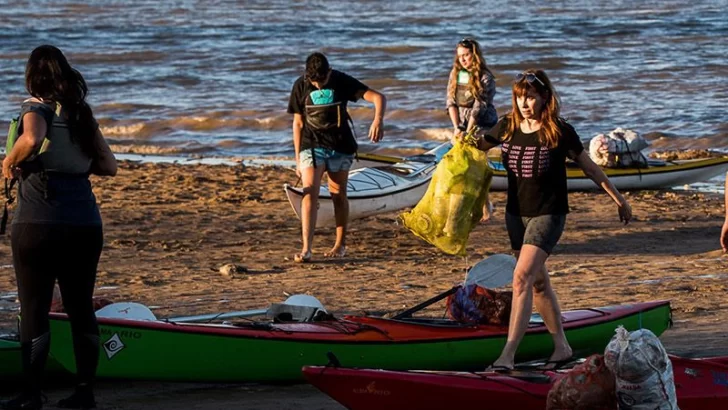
{"x":542,"y":231}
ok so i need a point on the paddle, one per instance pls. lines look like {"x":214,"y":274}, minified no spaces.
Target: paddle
{"x":492,"y":272}
{"x":137,"y":311}
{"x":296,"y":300}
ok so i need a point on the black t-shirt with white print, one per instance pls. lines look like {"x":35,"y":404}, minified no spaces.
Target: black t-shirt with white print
{"x":335,"y":133}
{"x":536,"y":174}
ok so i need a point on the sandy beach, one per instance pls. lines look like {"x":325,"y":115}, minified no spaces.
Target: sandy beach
{"x":169,"y":228}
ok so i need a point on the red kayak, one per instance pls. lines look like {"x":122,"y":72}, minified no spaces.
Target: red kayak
{"x":701,"y":384}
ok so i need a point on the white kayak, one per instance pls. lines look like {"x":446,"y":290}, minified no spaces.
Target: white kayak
{"x":659,"y":174}
{"x":377,"y":189}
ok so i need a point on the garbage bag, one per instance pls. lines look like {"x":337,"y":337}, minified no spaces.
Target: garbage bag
{"x":453,"y":203}
{"x":643,"y":371}
{"x":588,"y":386}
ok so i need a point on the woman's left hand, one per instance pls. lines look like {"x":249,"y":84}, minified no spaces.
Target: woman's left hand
{"x":625,"y":212}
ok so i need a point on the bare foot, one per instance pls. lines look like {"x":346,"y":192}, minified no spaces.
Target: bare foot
{"x":336,"y":252}
{"x":562,"y":354}
{"x":302,"y":257}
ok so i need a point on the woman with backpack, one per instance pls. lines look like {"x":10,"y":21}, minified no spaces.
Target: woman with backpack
{"x":57,"y":231}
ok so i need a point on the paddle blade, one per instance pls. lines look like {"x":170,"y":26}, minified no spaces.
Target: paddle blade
{"x":493,"y":272}
{"x":126,"y":310}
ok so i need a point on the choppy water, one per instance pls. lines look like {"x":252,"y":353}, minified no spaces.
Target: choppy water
{"x":213,"y":76}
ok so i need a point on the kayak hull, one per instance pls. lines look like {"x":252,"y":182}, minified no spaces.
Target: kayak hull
{"x":376,"y":189}
{"x":158,"y":350}
{"x":654,"y":177}
{"x":700,"y":384}
{"x":11,"y":364}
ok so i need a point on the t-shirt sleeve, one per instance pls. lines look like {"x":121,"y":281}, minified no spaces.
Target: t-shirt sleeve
{"x":570,"y":141}
{"x":39,"y":108}
{"x":352,"y":88}
{"x":295,"y":102}
{"x":495,"y":134}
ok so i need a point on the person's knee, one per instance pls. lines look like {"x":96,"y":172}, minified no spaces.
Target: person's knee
{"x":310,"y":190}
{"x":522,"y":281}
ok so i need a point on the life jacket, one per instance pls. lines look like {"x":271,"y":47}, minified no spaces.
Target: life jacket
{"x":324,"y":111}
{"x":463,"y":96}
{"x":57,"y":154}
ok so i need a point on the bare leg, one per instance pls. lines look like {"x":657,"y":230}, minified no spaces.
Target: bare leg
{"x":337,"y":188}
{"x":530,"y":263}
{"x":311,"y":181}
{"x":547,"y":304}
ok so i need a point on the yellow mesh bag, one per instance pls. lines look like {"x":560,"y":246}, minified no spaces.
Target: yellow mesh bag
{"x":453,"y":203}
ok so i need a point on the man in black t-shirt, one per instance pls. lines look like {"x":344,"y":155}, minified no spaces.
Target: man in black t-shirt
{"x":324,"y":142}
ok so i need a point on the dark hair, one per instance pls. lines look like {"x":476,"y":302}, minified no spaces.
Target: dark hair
{"x":49,"y":77}
{"x":317,"y":67}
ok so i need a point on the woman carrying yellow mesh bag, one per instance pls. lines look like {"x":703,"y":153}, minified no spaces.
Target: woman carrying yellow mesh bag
{"x":453,"y":203}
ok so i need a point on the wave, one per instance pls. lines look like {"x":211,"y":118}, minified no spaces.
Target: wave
{"x":125,"y":57}
{"x":153,"y":128}
{"x":659,"y":140}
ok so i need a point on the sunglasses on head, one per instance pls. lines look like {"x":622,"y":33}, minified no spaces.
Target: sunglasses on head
{"x":530,"y":77}
{"x":467,"y":42}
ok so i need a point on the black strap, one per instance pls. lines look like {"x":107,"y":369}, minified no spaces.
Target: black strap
{"x":9,"y":199}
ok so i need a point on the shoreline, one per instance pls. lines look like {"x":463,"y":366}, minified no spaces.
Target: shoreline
{"x":169,"y":228}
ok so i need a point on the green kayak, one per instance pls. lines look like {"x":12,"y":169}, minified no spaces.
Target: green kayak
{"x":275,"y":352}
{"x":11,"y":365}
{"x":10,"y":361}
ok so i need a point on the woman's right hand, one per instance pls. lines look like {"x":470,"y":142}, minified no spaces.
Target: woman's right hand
{"x":298,"y":168}
{"x":457,"y":136}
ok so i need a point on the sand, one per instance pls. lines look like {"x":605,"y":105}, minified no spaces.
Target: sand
{"x":169,"y":228}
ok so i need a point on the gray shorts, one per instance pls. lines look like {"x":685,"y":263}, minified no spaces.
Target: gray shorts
{"x":542,"y":231}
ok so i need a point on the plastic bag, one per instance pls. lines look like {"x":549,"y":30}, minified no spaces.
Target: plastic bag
{"x":478,"y":305}
{"x":643,"y":371}
{"x":619,"y":148}
{"x":453,"y":203}
{"x":588,"y":386}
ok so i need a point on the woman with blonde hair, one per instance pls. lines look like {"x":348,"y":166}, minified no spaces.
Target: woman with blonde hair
{"x":470,"y":92}
{"x":535,"y":143}
{"x":470,"y":89}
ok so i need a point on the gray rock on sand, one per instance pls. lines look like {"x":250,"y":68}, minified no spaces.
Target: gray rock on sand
{"x":233,"y":270}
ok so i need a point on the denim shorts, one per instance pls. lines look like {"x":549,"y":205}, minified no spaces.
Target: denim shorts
{"x":542,"y":231}
{"x":333,"y":161}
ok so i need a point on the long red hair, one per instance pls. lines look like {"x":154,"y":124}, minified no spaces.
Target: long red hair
{"x":550,"y":131}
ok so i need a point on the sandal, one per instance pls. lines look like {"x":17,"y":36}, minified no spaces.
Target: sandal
{"x":554,"y":365}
